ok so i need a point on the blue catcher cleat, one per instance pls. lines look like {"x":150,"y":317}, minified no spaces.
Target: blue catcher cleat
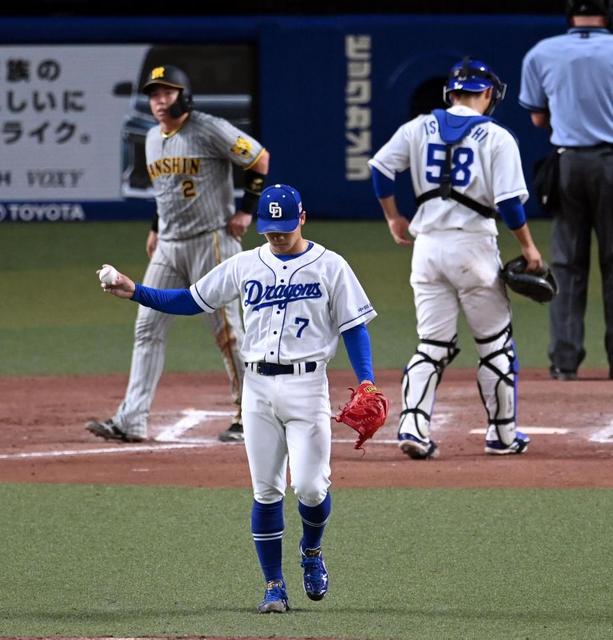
{"x":275,"y":598}
{"x":416,"y":448}
{"x":315,"y":579}
{"x":498,"y":448}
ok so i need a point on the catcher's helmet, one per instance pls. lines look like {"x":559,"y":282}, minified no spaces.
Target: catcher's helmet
{"x":170,"y":76}
{"x":474,"y":76}
{"x":540,"y":287}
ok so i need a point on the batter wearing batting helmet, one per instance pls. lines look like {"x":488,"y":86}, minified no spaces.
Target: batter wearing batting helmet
{"x":465,"y":168}
{"x":189,"y":158}
{"x":170,"y":76}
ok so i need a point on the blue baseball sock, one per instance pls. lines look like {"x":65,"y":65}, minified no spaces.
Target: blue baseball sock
{"x":267,"y":530}
{"x":314,"y":520}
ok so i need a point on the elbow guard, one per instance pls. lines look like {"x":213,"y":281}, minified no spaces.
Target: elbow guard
{"x":254,"y":183}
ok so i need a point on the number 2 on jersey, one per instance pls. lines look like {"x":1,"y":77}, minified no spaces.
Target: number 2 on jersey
{"x":302,"y":322}
{"x":461,"y":160}
{"x":189,"y":189}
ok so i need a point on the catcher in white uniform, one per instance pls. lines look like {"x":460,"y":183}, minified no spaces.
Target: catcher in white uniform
{"x":465,"y":168}
{"x":297,"y":299}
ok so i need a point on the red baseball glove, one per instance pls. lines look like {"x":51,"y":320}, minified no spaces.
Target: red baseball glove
{"x":365,"y":412}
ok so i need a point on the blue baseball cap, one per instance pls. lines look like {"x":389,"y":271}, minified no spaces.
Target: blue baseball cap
{"x":279,"y":209}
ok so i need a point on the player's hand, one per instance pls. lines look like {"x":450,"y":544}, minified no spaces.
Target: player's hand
{"x":238,"y":224}
{"x":152,"y":243}
{"x":534,"y":261}
{"x":122,"y":287}
{"x":399,"y":228}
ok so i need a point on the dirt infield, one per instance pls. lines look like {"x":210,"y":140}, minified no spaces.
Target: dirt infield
{"x":43,"y":440}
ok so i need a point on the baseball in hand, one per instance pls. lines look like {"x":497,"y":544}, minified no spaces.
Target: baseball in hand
{"x":108,"y":274}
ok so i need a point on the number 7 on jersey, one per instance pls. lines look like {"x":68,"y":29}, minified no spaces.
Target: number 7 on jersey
{"x":302,"y":322}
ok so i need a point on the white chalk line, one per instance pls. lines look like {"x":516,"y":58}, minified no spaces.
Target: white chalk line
{"x":191,"y":418}
{"x":96,"y":452}
{"x":172,"y":437}
{"x":604,"y":435}
{"x":532,"y":431}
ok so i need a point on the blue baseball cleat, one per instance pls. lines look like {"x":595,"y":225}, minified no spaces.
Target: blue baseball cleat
{"x":275,"y":598}
{"x":315,"y":579}
{"x":416,"y":448}
{"x":498,"y":448}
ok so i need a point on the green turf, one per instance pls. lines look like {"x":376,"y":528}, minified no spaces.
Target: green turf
{"x":428,"y":564}
{"x":55,"y":320}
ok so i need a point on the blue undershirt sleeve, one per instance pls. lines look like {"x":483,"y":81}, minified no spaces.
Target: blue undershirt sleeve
{"x":175,"y":301}
{"x":512,"y":212}
{"x":383,"y":186}
{"x":357,"y":343}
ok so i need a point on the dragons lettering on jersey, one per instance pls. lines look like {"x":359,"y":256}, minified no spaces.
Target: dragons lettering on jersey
{"x":259,"y":296}
{"x":176,"y":165}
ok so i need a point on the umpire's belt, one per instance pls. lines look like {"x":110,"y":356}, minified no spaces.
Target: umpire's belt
{"x":272,"y":369}
{"x":593,"y":147}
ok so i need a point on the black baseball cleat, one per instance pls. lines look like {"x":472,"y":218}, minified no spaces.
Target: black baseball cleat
{"x":234,"y":433}
{"x":108,"y":430}
{"x":562,"y":374}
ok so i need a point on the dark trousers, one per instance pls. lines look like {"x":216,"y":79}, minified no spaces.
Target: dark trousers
{"x":586,"y":192}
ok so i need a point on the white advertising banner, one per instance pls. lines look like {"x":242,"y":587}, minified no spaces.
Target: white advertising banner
{"x":62,"y":109}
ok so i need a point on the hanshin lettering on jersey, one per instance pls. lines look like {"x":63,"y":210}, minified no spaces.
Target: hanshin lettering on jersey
{"x":174,"y":165}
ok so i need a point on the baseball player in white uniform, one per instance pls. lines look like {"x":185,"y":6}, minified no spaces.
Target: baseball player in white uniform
{"x":297,"y":298}
{"x":463,"y":167}
{"x":189,"y":159}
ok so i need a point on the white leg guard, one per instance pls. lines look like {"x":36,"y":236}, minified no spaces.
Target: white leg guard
{"x":421,"y":377}
{"x":497,"y":379}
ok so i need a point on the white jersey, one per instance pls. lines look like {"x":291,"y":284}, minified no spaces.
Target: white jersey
{"x":293,"y":310}
{"x":486,"y":166}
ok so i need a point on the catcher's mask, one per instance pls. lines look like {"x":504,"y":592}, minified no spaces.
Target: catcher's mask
{"x":474,"y":76}
{"x":540,"y":287}
{"x":170,"y":76}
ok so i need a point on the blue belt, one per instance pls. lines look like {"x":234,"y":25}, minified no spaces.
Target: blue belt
{"x":272,"y":369}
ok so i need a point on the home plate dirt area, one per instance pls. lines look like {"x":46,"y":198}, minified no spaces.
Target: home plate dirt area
{"x":43,"y":437}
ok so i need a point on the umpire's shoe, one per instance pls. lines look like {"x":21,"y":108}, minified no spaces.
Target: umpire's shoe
{"x":275,"y":598}
{"x":498,"y":448}
{"x":234,"y":433}
{"x":416,"y":448}
{"x":109,"y":430}
{"x":555,"y":373}
{"x":315,"y":578}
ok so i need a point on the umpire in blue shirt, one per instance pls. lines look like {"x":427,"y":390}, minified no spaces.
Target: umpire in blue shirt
{"x":567,"y":85}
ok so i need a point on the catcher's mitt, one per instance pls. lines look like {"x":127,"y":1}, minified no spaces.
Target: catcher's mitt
{"x":365,"y":412}
{"x":541,"y":287}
